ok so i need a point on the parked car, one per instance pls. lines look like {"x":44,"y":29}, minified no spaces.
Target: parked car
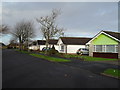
{"x":82,"y":51}
{"x":46,"y":49}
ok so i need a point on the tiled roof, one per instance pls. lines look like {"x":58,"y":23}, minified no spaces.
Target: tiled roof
{"x":41,"y":42}
{"x":113,"y":34}
{"x":75,"y":40}
{"x":51,"y":41}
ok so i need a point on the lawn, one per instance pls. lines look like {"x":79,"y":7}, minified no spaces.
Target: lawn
{"x":71,"y":55}
{"x":85,"y":58}
{"x":112,"y":72}
{"x":50,"y":58}
{"x":88,"y":58}
{"x":22,"y":51}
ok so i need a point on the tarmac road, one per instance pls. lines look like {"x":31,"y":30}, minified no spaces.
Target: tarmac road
{"x":24,"y":71}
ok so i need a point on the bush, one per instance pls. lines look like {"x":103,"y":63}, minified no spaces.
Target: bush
{"x":9,"y":47}
{"x":31,"y":50}
{"x":52,"y":51}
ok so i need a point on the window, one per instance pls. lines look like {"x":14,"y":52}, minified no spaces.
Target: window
{"x":94,"y":48}
{"x":103,"y":48}
{"x":98,"y":48}
{"x":110,"y":48}
{"x":106,"y":48}
{"x":62,"y":48}
{"x":116,"y":48}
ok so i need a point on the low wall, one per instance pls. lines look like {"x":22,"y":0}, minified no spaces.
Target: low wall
{"x":105,"y":55}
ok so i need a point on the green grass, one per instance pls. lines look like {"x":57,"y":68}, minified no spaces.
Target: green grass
{"x":113,"y":72}
{"x":88,"y":58}
{"x":41,"y":52}
{"x":23,"y":51}
{"x":50,"y":58}
{"x":70,"y":55}
{"x":45,"y":57}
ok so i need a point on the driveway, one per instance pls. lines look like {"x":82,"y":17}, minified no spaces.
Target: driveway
{"x":23,"y":71}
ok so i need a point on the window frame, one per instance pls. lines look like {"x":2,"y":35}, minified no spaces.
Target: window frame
{"x":62,"y":48}
{"x":104,"y":47}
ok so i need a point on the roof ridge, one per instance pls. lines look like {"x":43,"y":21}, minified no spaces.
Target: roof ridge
{"x":53,"y":39}
{"x":110,"y":31}
{"x":41,"y":40}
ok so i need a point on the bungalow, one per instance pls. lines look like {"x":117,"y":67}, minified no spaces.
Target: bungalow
{"x":34,"y":45}
{"x":105,"y":44}
{"x":71,"y":44}
{"x":53,"y":42}
{"x":13,"y":45}
{"x":39,"y":44}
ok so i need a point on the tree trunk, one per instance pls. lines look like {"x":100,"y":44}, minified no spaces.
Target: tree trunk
{"x":47,"y":43}
{"x":20,"y":46}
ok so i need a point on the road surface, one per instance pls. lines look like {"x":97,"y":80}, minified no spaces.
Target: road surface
{"x":21,"y":70}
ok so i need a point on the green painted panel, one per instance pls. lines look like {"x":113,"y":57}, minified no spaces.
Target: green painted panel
{"x":104,"y":40}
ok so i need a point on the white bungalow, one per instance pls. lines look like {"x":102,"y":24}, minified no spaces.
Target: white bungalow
{"x":40,"y":44}
{"x":70,"y":45}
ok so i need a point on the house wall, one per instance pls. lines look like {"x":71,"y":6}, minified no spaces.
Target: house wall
{"x":71,"y":49}
{"x":34,"y":47}
{"x":74,"y":48}
{"x":68,"y":48}
{"x":56,"y":46}
{"x":29,"y":47}
{"x":91,"y":48}
{"x":119,"y":50}
{"x":41,"y":47}
{"x":59,"y":46}
{"x":60,"y":42}
{"x":102,"y":40}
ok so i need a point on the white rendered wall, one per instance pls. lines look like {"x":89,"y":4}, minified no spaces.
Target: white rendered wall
{"x":34,"y":47}
{"x":118,"y":50}
{"x":59,"y":46}
{"x":74,"y":48}
{"x":41,"y":47}
{"x":56,"y":47}
{"x":60,"y":41}
{"x":30,"y":47}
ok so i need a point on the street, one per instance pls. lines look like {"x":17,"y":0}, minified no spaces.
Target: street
{"x":21,"y":70}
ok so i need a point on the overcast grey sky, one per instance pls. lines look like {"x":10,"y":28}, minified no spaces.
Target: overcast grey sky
{"x":80,"y":19}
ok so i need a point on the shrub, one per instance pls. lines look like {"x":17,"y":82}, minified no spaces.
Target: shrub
{"x":52,"y":51}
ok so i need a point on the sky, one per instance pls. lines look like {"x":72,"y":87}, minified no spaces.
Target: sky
{"x":79,"y":19}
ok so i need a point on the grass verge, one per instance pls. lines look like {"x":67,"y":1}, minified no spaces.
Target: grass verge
{"x":88,"y":58}
{"x":112,"y":73}
{"x":23,"y":51}
{"x":50,"y":58}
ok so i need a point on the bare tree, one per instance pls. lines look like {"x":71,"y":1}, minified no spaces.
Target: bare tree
{"x":24,"y":31}
{"x":4,"y":29}
{"x":48,"y":25}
